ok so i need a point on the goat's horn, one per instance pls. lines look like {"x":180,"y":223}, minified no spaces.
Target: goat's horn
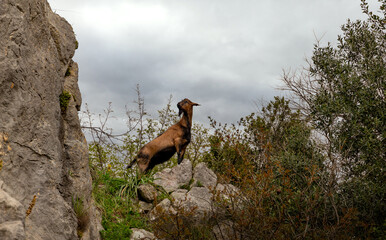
{"x":196,"y":104}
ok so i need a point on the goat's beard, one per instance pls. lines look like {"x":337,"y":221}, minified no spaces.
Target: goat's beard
{"x":180,"y":112}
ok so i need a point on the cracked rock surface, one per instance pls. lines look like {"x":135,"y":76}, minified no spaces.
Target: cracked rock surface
{"x":43,"y":153}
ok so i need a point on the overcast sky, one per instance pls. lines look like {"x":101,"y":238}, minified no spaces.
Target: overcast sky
{"x":223,"y":54}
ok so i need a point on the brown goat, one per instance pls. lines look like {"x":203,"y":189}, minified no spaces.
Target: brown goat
{"x":175,"y":139}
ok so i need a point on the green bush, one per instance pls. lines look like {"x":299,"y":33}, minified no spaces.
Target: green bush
{"x":64,"y":100}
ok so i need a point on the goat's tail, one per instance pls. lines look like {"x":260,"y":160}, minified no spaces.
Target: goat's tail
{"x":131,"y":163}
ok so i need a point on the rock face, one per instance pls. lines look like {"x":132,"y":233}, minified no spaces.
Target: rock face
{"x":43,"y":153}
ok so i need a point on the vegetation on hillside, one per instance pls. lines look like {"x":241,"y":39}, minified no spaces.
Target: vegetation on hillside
{"x":309,"y":168}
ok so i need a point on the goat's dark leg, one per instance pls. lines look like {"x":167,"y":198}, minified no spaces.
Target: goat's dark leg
{"x":181,"y":154}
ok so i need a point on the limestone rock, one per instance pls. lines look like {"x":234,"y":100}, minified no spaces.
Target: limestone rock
{"x":46,"y":162}
{"x":199,"y":199}
{"x":179,"y":196}
{"x":173,"y":178}
{"x":11,"y":209}
{"x":165,"y":206}
{"x":204,"y":176}
{"x":225,"y":231}
{"x":227,"y":191}
{"x":141,"y":234}
{"x":12,"y":230}
{"x":147,"y":193}
{"x":145,"y":207}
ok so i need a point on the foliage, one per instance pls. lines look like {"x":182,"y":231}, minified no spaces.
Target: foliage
{"x":81,"y":214}
{"x":283,"y":183}
{"x":64,"y":100}
{"x":114,"y":197}
{"x":343,"y":93}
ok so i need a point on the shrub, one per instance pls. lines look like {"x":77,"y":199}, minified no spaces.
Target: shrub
{"x":64,"y":100}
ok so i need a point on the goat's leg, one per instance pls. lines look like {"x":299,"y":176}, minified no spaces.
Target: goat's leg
{"x":180,"y":149}
{"x":181,"y":155}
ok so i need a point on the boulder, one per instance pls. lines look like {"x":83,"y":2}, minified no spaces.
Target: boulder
{"x":199,"y":199}
{"x":204,"y":177}
{"x":141,"y":234}
{"x":225,"y":231}
{"x":147,"y":193}
{"x":227,"y":191}
{"x":145,"y":207}
{"x":179,"y":196}
{"x":164,"y":207}
{"x":173,"y":178}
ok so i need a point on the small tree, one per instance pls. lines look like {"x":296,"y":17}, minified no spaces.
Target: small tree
{"x":343,"y":91}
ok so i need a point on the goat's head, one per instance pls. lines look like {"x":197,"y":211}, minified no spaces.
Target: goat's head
{"x":185,"y":105}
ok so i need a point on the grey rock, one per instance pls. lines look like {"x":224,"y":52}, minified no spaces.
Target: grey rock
{"x":46,"y":154}
{"x":179,"y":196}
{"x":225,"y":231}
{"x":145,"y":207}
{"x":164,"y":207}
{"x":204,"y":176}
{"x":10,"y":208}
{"x":173,"y":178}
{"x":12,"y":230}
{"x":227,"y":191}
{"x":199,"y":199}
{"x":141,"y":234}
{"x":147,"y":193}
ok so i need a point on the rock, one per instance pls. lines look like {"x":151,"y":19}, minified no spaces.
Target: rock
{"x":11,"y":209}
{"x":12,"y":230}
{"x":204,"y":176}
{"x":141,"y":234}
{"x":197,"y":203}
{"x":179,"y":196}
{"x":145,"y":207}
{"x":164,"y":207}
{"x":227,"y":191}
{"x":172,"y":179}
{"x":199,"y":199}
{"x":225,"y":231}
{"x":147,"y":193}
{"x":45,"y":164}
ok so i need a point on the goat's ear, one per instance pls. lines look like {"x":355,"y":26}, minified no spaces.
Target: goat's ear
{"x":179,"y":109}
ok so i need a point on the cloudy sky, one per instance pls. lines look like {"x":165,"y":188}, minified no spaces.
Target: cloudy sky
{"x":223,"y":54}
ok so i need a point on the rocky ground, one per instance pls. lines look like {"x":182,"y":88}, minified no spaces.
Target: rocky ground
{"x":192,"y":191}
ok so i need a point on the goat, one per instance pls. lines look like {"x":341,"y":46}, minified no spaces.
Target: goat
{"x":175,"y":139}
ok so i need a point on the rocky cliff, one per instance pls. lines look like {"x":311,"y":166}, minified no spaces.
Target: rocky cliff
{"x":45,"y":184}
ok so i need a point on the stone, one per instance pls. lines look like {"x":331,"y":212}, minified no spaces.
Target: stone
{"x":145,"y":207}
{"x":12,"y":230}
{"x":147,"y":193}
{"x":204,"y":176}
{"x":199,"y":198}
{"x":141,"y":234}
{"x":227,"y":191}
{"x":179,"y":196}
{"x":225,"y":231}
{"x":11,"y":209}
{"x":46,"y":162}
{"x":165,"y":206}
{"x":173,"y":178}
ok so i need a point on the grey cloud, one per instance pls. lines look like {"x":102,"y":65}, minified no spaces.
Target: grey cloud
{"x":223,"y":54}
